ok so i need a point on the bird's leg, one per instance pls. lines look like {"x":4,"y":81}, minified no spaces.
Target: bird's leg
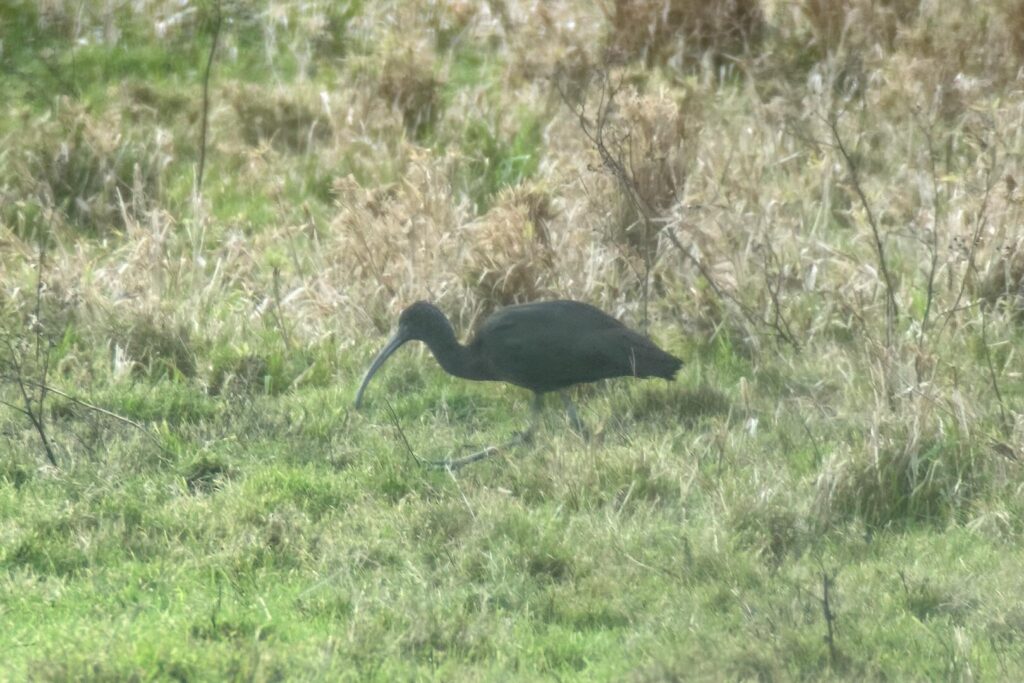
{"x":522,"y":437}
{"x":536,"y":406}
{"x":574,"y":418}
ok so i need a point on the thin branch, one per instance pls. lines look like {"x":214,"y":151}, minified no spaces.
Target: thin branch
{"x":779,"y":321}
{"x":973,"y":247}
{"x":110,"y":414}
{"x":14,"y":408}
{"x":933,"y":245}
{"x":721,"y":293}
{"x":449,"y":465}
{"x":30,"y":410}
{"x":627,"y":182}
{"x":206,"y":99}
{"x":891,"y":309}
{"x":830,"y":617}
{"x":625,"y":178}
{"x":37,"y":323}
{"x":1004,"y":420}
{"x":34,"y":405}
{"x":401,"y":433}
{"x":18,"y":380}
{"x":279,"y":312}
{"x":818,"y":458}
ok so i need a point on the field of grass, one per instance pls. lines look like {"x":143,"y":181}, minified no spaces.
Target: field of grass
{"x":816,"y":204}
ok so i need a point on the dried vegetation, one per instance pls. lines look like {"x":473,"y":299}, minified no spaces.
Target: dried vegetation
{"x":517,"y":155}
{"x":819,"y":203}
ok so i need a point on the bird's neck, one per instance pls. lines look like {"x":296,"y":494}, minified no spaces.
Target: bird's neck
{"x":457,"y":359}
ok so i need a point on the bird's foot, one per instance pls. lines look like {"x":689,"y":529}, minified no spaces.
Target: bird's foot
{"x":455,"y":463}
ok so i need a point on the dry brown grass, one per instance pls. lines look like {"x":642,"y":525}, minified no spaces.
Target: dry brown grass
{"x":658,"y":30}
{"x":857,"y":24}
{"x":288,"y":120}
{"x":1003,"y":279}
{"x":1013,"y":19}
{"x":511,"y":259}
{"x":83,"y":171}
{"x":655,"y":139}
{"x":349,"y":177}
{"x":408,"y":83}
{"x":744,"y":176}
{"x":153,"y":347}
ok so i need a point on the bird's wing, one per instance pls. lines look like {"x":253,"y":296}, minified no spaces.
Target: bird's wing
{"x":546,"y":317}
{"x":624,"y":352}
{"x":549,"y":354}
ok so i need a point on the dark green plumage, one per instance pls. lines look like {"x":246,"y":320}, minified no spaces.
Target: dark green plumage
{"x":543,"y":346}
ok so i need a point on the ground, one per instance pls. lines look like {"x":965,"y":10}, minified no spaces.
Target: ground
{"x":816,"y":205}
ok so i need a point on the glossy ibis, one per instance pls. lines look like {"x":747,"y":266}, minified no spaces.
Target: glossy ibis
{"x":544,"y":346}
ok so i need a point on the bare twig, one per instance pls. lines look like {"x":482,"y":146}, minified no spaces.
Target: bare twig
{"x":443,"y":464}
{"x":892,"y":312}
{"x":37,"y":322}
{"x":830,"y":616}
{"x":401,"y":433}
{"x":891,"y":308}
{"x":33,"y":402}
{"x":279,"y":312}
{"x":1004,"y":420}
{"x":594,"y":130}
{"x":646,"y":221}
{"x":83,"y":403}
{"x":41,"y":355}
{"x":933,"y":244}
{"x":778,"y":322}
{"x":108,"y":413}
{"x":818,"y":458}
{"x":979,"y":225}
{"x":748,"y":313}
{"x":614,"y":164}
{"x":206,"y":99}
{"x":32,"y":405}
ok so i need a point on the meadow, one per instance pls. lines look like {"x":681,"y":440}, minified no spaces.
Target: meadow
{"x":211,"y":214}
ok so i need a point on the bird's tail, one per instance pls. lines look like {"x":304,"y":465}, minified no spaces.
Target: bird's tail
{"x":650,"y":361}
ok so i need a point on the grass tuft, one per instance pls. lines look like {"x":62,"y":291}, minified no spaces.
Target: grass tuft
{"x":288,"y":123}
{"x":408,"y":84}
{"x":83,"y":169}
{"x":155,"y":349}
{"x":900,"y":481}
{"x":656,"y":31}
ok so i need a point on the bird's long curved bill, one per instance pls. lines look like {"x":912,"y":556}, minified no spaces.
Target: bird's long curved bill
{"x":392,"y":346}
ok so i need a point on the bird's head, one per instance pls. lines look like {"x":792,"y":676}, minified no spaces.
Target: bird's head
{"x":422,"y":321}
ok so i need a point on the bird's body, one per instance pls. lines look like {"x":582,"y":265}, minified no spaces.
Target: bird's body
{"x":543,"y":346}
{"x":552,"y":345}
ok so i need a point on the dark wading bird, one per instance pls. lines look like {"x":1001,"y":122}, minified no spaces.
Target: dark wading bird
{"x":544,"y":346}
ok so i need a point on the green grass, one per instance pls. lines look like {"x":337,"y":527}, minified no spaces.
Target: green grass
{"x":497,"y":163}
{"x":302,"y":542}
{"x":219,"y":509}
